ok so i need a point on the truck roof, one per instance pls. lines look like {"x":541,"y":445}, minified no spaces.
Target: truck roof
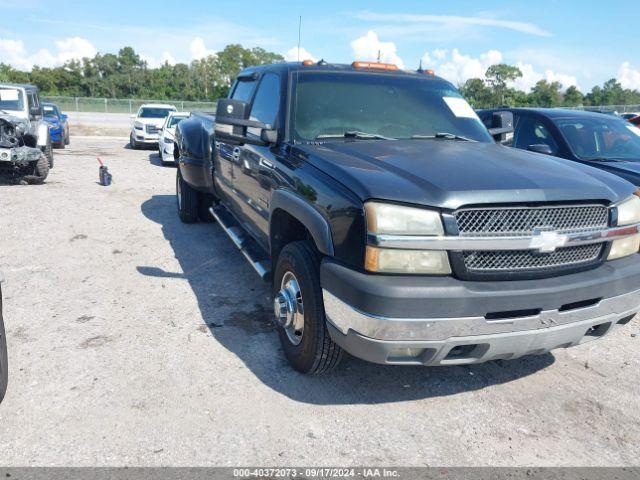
{"x":26,"y":86}
{"x":548,"y":112}
{"x":323,"y":66}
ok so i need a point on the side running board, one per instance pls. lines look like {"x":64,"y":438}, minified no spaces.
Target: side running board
{"x":247,"y":245}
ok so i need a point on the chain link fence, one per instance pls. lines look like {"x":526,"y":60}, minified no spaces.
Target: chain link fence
{"x":120,"y":105}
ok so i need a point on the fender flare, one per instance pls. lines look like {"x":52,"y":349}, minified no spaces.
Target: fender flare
{"x":43,"y":134}
{"x":303,"y":211}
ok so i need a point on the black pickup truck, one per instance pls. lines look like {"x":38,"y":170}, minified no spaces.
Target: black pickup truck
{"x":393,"y":227}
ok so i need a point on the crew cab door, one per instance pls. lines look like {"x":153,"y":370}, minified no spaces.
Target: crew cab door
{"x":227,"y":155}
{"x":254,"y":170}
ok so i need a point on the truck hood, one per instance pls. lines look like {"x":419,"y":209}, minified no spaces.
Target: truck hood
{"x":629,"y":169}
{"x":449,"y":174}
{"x":158,"y":122}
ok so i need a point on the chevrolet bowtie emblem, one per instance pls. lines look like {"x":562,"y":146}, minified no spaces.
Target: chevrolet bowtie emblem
{"x":546,"y":241}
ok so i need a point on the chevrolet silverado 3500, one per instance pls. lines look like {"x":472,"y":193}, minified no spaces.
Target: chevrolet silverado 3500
{"x":392,"y":226}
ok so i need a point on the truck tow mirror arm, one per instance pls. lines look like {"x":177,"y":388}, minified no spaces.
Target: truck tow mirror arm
{"x":501,"y":126}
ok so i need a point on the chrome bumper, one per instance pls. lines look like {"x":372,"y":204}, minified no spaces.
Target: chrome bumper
{"x":434,"y":341}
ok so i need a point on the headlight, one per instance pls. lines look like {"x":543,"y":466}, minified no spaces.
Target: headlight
{"x":167,"y":140}
{"x":389,"y":219}
{"x":386,"y":218}
{"x":138,"y":125}
{"x":393,"y":260}
{"x":629,"y":211}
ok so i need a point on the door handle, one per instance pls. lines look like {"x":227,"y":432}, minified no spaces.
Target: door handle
{"x":236,"y":153}
{"x":266,"y":163}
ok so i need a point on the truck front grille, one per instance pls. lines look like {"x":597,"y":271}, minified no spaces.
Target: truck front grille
{"x":525,"y":221}
{"x":152,"y":129}
{"x":523,"y":260}
{"x":522,"y":221}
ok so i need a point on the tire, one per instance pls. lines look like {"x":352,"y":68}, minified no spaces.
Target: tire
{"x":316,"y":352}
{"x":62,"y":145}
{"x":187,"y":200}
{"x":133,"y":143}
{"x":40,"y":171}
{"x":204,"y":202}
{"x":48,"y":152}
{"x":4,"y":370}
{"x":67,"y":141}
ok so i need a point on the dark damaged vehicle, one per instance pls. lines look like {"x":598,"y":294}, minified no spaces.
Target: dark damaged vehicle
{"x":393,"y":227}
{"x":25,"y":143}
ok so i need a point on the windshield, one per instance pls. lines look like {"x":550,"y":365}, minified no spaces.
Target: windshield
{"x":391,"y":106}
{"x":154,"y":112}
{"x":11,"y":99}
{"x":173,"y":121}
{"x":602,"y":138}
{"x":50,"y":112}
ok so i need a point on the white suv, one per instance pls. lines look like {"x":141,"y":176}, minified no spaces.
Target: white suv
{"x":167,"y":135}
{"x":147,"y":123}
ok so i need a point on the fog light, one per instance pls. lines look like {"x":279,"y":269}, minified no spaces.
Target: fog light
{"x":624,"y":246}
{"x":393,"y":260}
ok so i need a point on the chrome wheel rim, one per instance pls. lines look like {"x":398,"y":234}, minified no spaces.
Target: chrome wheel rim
{"x":288,"y":307}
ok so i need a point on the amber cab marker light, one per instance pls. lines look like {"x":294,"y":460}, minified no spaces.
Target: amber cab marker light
{"x":375,"y":65}
{"x":429,"y":72}
{"x":637,"y":193}
{"x":307,"y":63}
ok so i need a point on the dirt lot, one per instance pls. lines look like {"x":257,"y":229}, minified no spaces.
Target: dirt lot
{"x":137,"y":340}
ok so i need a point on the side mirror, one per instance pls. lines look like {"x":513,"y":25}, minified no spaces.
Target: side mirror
{"x":35,"y":111}
{"x":501,"y":126}
{"x":64,"y":116}
{"x":232,"y":122}
{"x":540,"y":148}
{"x":132,"y":116}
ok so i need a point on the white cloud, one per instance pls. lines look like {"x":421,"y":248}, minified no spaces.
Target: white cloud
{"x":198,"y":49}
{"x":453,"y":22}
{"x":74,"y":48}
{"x":530,"y":77}
{"x":458,"y":68}
{"x":13,"y":52}
{"x":369,"y":46}
{"x":153,"y":62}
{"x":628,"y":76}
{"x":292,"y":55}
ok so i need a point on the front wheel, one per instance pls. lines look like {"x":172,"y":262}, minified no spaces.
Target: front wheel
{"x":133,"y":143}
{"x":299,"y":310}
{"x":187,"y":200}
{"x":48,"y":152}
{"x":4,"y":369}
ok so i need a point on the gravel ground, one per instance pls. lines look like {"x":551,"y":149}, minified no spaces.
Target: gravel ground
{"x":137,"y":340}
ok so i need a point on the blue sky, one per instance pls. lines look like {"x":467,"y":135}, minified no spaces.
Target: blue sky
{"x":583,"y":43}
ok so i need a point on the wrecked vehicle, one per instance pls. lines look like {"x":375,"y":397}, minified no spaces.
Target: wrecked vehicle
{"x":393,"y":227}
{"x":20,"y":159}
{"x":22,"y":125}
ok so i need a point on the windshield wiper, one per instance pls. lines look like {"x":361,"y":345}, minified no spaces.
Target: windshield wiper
{"x":354,"y":134}
{"x":444,"y":135}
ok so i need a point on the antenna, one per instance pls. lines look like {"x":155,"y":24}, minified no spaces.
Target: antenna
{"x":379,"y":56}
{"x":299,"y":31}
{"x":420,"y":70}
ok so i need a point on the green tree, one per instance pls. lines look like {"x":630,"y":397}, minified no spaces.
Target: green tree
{"x":498,"y":76}
{"x":546,"y":94}
{"x":572,"y":97}
{"x":477,"y":93}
